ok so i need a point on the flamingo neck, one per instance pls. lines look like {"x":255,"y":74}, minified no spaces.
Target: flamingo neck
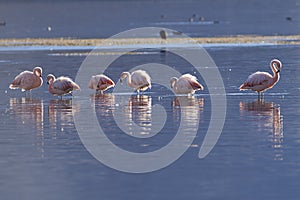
{"x":129,"y":79}
{"x":173,"y":81}
{"x":37,"y":73}
{"x":51,"y":81}
{"x":276,"y":75}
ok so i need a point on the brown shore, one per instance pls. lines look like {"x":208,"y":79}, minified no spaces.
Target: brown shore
{"x":244,"y":39}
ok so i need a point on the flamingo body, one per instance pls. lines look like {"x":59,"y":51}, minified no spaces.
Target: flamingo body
{"x":138,"y":80}
{"x":262,"y":81}
{"x":101,"y":83}
{"x":185,"y":84}
{"x":61,"y":86}
{"x":28,"y":80}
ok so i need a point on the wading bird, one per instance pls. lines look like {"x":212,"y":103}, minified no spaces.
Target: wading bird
{"x":61,"y":86}
{"x":185,"y":84}
{"x":138,"y":80}
{"x":100,"y":83}
{"x":28,"y":80}
{"x":262,"y":81}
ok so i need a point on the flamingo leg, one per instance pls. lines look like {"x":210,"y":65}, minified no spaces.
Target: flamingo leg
{"x":27,"y":94}
{"x":260,"y":95}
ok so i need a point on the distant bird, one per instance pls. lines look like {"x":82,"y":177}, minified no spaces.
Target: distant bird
{"x":261,"y":81}
{"x":163,"y":34}
{"x":28,"y":80}
{"x":201,"y":18}
{"x":289,"y":18}
{"x":2,"y":23}
{"x":61,"y":85}
{"x":101,"y":83}
{"x":139,"y":80}
{"x":185,"y":84}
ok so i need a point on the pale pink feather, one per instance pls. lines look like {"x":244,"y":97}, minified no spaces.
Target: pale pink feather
{"x":28,"y":80}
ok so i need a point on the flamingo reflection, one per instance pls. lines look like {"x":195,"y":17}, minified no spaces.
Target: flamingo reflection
{"x":60,"y":113}
{"x":140,"y":109}
{"x":30,"y":111}
{"x":269,"y":117}
{"x":187,"y":110}
{"x":190,"y":106}
{"x":139,"y":112}
{"x":134,"y":116}
{"x":103,"y":102}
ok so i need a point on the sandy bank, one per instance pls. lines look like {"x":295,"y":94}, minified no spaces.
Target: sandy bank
{"x":248,"y":39}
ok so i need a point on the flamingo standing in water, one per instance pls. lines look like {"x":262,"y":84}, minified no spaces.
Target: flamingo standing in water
{"x":139,"y":80}
{"x":262,"y":81}
{"x":61,"y":85}
{"x":28,"y":80}
{"x":185,"y":84}
{"x":101,"y":83}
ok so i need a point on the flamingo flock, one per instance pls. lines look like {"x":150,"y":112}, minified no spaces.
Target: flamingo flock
{"x":139,"y":80}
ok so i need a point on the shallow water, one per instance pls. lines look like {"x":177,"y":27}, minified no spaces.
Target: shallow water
{"x":256,"y":156}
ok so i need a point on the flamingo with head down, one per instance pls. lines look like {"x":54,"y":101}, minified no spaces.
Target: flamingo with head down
{"x":185,"y":84}
{"x":262,"y":81}
{"x":101,"y":83}
{"x":61,"y":86}
{"x":138,"y":80}
{"x":28,"y":80}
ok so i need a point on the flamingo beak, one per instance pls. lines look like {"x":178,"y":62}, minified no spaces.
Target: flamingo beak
{"x":48,"y":82}
{"x":120,"y":80}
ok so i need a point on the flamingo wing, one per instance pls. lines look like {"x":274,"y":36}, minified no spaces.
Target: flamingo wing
{"x":257,"y":79}
{"x":26,"y":81}
{"x":192,"y":81}
{"x":105,"y":80}
{"x":65,"y":84}
{"x":16,"y":83}
{"x":105,"y":83}
{"x":140,"y":79}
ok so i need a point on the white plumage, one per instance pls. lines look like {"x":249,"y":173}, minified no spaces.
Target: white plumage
{"x":185,"y":84}
{"x":101,"y":83}
{"x":139,"y":80}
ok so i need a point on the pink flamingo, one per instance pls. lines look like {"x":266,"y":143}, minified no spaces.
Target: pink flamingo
{"x":261,"y":81}
{"x":28,"y":80}
{"x":185,"y":84}
{"x":139,"y":80}
{"x":61,"y":85}
{"x":101,"y":83}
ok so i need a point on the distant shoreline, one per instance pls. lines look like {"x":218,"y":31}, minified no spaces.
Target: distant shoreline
{"x":242,"y":39}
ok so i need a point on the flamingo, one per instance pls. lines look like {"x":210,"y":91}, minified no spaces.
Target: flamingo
{"x":185,"y":84}
{"x":101,"y":83}
{"x":262,"y":81}
{"x":28,"y":80}
{"x":61,"y":85}
{"x":139,"y":80}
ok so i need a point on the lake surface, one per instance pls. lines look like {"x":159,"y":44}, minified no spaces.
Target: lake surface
{"x":256,"y":156}
{"x":101,"y":19}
